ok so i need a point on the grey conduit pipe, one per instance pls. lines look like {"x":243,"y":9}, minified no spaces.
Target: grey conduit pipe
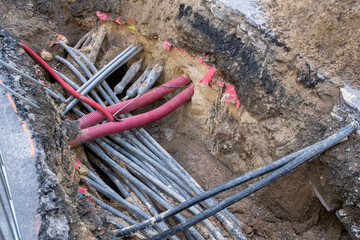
{"x":75,"y":86}
{"x":19,"y":96}
{"x":142,"y":199}
{"x":119,"y":214}
{"x":304,"y":157}
{"x":112,"y":177}
{"x":54,"y":95}
{"x":102,"y":74}
{"x":125,"y":174}
{"x":169,"y":161}
{"x":161,"y":185}
{"x":81,"y":77}
{"x":134,"y":210}
{"x":147,"y":164}
{"x":94,"y":70}
{"x":84,"y":68}
{"x":238,"y":221}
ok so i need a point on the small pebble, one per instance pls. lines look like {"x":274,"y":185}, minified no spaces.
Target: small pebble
{"x":46,"y":55}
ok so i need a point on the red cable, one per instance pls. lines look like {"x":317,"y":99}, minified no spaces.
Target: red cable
{"x":147,"y":98}
{"x":66,"y":86}
{"x":135,"y":121}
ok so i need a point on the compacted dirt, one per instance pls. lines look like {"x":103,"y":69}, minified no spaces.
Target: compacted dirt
{"x":326,"y":32}
{"x":215,"y":141}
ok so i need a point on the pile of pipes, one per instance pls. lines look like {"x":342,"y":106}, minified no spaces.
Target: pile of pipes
{"x":141,"y":176}
{"x":146,"y":178}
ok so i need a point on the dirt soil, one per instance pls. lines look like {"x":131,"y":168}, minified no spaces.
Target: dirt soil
{"x":325,"y":32}
{"x":278,"y":115}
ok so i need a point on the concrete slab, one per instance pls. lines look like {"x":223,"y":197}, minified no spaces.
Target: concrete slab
{"x":250,"y":8}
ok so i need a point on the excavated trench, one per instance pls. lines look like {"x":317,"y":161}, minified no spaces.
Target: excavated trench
{"x":286,"y":104}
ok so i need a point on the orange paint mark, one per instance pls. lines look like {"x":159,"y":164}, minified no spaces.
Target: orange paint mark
{"x":12,"y":102}
{"x":32,"y":145}
{"x":10,"y":99}
{"x":38,"y":225}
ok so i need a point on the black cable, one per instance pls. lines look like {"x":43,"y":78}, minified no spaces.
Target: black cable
{"x":325,"y":144}
{"x":235,"y":182}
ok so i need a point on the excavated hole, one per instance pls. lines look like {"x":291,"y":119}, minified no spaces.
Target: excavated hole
{"x":287,"y":209}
